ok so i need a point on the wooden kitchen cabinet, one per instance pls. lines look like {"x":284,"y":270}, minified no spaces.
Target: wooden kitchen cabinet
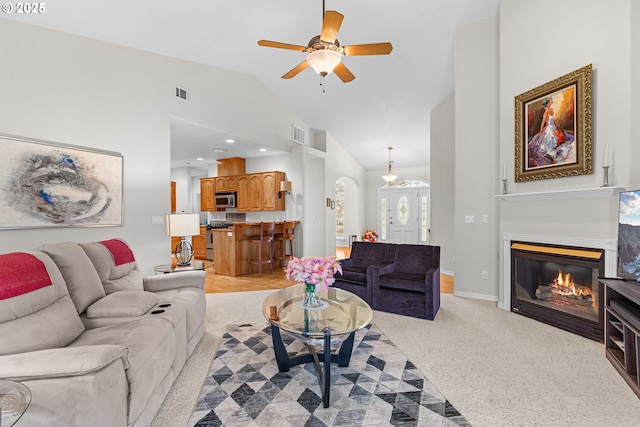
{"x":242,"y":196}
{"x":173,"y":196}
{"x":270,"y":189}
{"x":231,"y":166}
{"x":225,"y":184}
{"x":259,"y":192}
{"x":207,"y":194}
{"x":255,"y":192}
{"x":199,"y":244}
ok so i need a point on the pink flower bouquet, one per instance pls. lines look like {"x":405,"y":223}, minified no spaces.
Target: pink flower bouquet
{"x":313,"y":270}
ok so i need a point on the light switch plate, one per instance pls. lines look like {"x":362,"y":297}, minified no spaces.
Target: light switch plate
{"x":469,"y":219}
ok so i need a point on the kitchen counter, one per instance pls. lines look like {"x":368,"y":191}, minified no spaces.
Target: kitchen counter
{"x":230,"y":249}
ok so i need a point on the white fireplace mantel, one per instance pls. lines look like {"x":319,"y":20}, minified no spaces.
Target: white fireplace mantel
{"x":609,"y":246}
{"x":576,"y":193}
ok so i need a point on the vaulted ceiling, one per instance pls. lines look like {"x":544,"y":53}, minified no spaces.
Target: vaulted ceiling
{"x":388,"y":103}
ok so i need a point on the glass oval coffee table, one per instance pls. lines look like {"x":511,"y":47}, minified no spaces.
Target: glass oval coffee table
{"x":335,"y":324}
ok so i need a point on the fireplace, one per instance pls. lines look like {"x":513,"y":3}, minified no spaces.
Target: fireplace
{"x":558,"y":285}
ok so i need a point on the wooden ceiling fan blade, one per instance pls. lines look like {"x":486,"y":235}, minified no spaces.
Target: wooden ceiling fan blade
{"x":343,"y":73}
{"x":368,"y":49}
{"x":296,"y":70}
{"x":330,"y":26}
{"x":269,"y":43}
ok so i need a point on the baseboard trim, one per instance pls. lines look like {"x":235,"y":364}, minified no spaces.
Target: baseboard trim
{"x":492,"y":298}
{"x":448,"y":273}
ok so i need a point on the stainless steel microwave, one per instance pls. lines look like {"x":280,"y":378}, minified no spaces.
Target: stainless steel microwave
{"x":225,"y":200}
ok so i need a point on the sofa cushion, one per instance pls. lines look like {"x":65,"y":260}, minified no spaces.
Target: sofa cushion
{"x":123,"y":303}
{"x":403,"y":281}
{"x":414,"y":258}
{"x":123,"y":277}
{"x":81,"y":277}
{"x":41,"y":319}
{"x":365,"y":254}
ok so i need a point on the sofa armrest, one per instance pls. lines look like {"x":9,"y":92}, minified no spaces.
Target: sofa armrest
{"x":123,"y":304}
{"x":61,"y":362}
{"x":183,"y":279}
{"x":347,"y":262}
{"x":377,"y":270}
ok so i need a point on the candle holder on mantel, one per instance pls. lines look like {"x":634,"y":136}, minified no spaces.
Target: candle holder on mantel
{"x":606,"y":176}
{"x":504,"y":186}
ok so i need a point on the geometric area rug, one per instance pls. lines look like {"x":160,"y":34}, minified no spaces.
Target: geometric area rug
{"x":380,"y":387}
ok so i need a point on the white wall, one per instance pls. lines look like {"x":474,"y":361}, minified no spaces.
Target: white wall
{"x":476,"y":159}
{"x":634,"y":111}
{"x":597,"y":33}
{"x":83,"y":92}
{"x":442,"y":200}
{"x":342,"y":165}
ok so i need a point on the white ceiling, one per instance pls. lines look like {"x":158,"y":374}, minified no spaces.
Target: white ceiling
{"x":388,"y":104}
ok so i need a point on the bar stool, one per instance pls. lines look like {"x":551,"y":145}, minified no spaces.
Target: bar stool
{"x":265,"y":237}
{"x":288,"y":232}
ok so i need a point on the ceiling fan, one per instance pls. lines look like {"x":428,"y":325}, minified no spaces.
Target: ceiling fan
{"x":325,"y":52}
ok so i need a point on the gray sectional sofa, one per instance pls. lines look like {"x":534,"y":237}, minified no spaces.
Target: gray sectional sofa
{"x":96,"y":342}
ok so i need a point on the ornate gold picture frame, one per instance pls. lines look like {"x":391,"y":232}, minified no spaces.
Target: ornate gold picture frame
{"x":553,"y":128}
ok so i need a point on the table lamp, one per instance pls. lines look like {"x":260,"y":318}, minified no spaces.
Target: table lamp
{"x":182,"y":225}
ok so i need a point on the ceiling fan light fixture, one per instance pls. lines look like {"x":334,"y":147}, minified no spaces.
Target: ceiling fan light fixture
{"x":323,"y":61}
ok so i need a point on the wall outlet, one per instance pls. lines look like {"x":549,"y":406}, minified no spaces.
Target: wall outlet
{"x":469,"y":219}
{"x":485,"y":219}
{"x":485,"y":275}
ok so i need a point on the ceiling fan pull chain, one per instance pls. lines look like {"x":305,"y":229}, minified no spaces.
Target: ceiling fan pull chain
{"x":322,"y":83}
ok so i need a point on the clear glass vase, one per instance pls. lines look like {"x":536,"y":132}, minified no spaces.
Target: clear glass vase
{"x":311,"y":299}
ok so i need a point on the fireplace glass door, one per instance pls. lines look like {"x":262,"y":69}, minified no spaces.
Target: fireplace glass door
{"x":558,"y":286}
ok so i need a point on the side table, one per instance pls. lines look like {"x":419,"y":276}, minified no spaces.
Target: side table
{"x":14,"y":401}
{"x":168,"y":268}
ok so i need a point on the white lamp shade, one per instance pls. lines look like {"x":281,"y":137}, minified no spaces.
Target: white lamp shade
{"x":183,"y":225}
{"x":323,"y":61}
{"x":285,"y":186}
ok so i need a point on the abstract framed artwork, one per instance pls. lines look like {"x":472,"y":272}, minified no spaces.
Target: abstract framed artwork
{"x":45,"y":184}
{"x":553,"y":128}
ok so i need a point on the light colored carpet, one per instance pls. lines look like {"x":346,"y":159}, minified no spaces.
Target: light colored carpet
{"x":497,"y":368}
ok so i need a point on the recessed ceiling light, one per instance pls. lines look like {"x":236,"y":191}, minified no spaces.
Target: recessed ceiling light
{"x":262,"y":149}
{"x":218,"y":150}
{"x":199,"y":159}
{"x":230,"y":141}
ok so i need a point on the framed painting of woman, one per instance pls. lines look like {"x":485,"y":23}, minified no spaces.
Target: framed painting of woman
{"x":553,"y":129}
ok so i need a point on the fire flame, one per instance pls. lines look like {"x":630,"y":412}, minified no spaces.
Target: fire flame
{"x":565,"y":285}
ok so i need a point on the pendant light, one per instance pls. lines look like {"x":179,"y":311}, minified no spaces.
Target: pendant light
{"x":389,"y":177}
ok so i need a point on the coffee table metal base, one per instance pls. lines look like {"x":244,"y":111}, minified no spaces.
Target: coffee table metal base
{"x":342,"y":358}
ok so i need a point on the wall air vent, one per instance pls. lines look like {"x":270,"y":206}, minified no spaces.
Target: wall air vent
{"x":297,"y":134}
{"x":183,"y":94}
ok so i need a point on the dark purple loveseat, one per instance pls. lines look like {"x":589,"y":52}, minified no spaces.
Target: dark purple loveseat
{"x":402,"y":279}
{"x":354,"y":269}
{"x":410,"y":285}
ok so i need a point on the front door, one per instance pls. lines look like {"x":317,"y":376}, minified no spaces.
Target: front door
{"x":404,"y":216}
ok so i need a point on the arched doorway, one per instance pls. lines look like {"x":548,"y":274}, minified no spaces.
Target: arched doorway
{"x":347,"y":210}
{"x":403,"y":211}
